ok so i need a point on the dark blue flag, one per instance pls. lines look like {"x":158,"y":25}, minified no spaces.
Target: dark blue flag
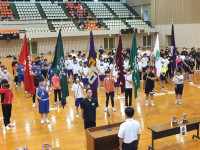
{"x":93,"y":74}
{"x":173,"y":51}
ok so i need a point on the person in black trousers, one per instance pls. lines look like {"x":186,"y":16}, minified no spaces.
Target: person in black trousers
{"x":129,"y":132}
{"x":6,"y":101}
{"x":128,"y":91}
{"x":88,"y":110}
{"x":36,"y":79}
{"x":57,"y":88}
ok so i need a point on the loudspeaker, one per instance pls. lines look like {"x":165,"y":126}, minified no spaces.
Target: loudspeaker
{"x":128,"y":31}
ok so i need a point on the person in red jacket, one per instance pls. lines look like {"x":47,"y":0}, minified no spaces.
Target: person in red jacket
{"x":6,"y":101}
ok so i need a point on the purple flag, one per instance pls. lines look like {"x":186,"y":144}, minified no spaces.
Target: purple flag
{"x":173,"y":51}
{"x":93,"y":74}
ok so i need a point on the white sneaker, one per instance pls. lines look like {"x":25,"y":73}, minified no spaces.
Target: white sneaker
{"x":191,"y":83}
{"x":180,"y":102}
{"x":11,"y":125}
{"x":47,"y":121}
{"x":49,"y":92}
{"x":18,"y":88}
{"x":42,"y":121}
{"x":77,"y":115}
{"x":33,"y":105}
{"x":26,"y":92}
{"x":176,"y":102}
{"x":147,"y":104}
{"x":113,"y":109}
{"x":125,"y":107}
{"x":55,"y":103}
{"x":106,"y":109}
{"x":84,"y":90}
{"x":16,"y":85}
{"x":152,"y":104}
{"x":7,"y":128}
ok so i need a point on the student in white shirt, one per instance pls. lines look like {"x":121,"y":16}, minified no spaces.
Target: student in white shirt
{"x":128,"y":90}
{"x":126,"y":63}
{"x":115,"y":75}
{"x":104,"y":56}
{"x":75,"y":69}
{"x":106,"y":64}
{"x":178,"y":83}
{"x":69,"y":66}
{"x":166,"y":62}
{"x":144,"y":62}
{"x":73,"y":54}
{"x":80,"y":69}
{"x":140,"y":68}
{"x":129,"y":132}
{"x":139,"y":51}
{"x":85,"y":73}
{"x":77,"y":89}
{"x":78,"y":58}
{"x":5,"y":74}
{"x":143,"y":52}
{"x":148,"y":52}
{"x":84,"y":59}
{"x":101,"y":71}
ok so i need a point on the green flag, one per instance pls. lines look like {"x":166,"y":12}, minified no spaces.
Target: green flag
{"x":59,"y":69}
{"x":134,"y":66}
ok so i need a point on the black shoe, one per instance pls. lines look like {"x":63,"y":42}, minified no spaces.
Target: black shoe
{"x":167,"y":82}
{"x":157,"y":80}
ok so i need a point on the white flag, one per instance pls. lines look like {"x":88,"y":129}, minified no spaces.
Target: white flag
{"x":156,"y":52}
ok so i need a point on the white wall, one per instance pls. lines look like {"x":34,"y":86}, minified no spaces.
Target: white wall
{"x":78,"y":43}
{"x":186,"y":35}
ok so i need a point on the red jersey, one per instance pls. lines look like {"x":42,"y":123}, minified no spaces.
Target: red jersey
{"x":6,"y":95}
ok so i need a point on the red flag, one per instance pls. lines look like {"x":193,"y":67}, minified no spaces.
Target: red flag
{"x":25,"y":61}
{"x":120,"y":66}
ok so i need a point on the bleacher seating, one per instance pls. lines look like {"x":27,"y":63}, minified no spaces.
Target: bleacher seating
{"x":137,"y":24}
{"x":38,"y":30}
{"x":5,"y":11}
{"x":27,"y":11}
{"x":99,"y":10}
{"x":66,"y":26}
{"x":115,"y":24}
{"x":120,"y":10}
{"x":53,"y":11}
{"x":90,"y":25}
{"x":9,"y":34}
{"x":77,"y":10}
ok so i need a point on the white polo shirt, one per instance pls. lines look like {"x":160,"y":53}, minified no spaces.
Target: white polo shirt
{"x":101,"y":69}
{"x":85,"y":71}
{"x":80,"y":69}
{"x":73,"y":54}
{"x":6,"y":76}
{"x":148,"y":52}
{"x":77,"y":89}
{"x":166,"y":62}
{"x":70,"y":64}
{"x":176,"y":81}
{"x":75,"y":68}
{"x":144,"y":61}
{"x":129,"y":130}
{"x":128,"y":84}
{"x":115,"y":74}
{"x":126,"y":64}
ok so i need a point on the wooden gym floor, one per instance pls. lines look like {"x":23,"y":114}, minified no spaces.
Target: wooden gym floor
{"x":67,"y":132}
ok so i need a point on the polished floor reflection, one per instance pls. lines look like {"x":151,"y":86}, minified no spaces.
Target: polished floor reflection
{"x":66,"y":131}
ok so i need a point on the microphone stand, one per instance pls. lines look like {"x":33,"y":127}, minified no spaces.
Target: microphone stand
{"x":109,"y":127}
